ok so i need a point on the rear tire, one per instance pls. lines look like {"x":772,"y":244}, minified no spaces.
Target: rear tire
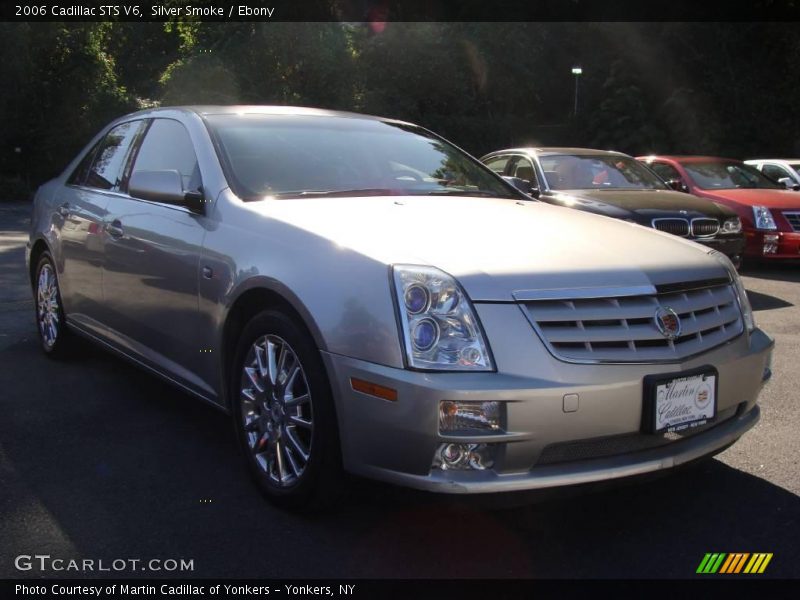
{"x":284,"y":415}
{"x":51,"y":324}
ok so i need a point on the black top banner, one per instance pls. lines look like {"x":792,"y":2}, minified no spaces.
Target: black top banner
{"x":408,"y":10}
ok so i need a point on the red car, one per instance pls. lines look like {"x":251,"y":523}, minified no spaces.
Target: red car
{"x":769,"y":212}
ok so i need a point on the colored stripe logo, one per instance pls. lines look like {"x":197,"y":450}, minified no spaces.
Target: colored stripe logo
{"x":734,"y":563}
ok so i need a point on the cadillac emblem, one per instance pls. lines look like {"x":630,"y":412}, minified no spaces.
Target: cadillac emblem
{"x":667,"y":322}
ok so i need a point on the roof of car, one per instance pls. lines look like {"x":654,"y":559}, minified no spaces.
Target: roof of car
{"x":559,"y":150}
{"x":687,"y":158}
{"x":252,"y":109}
{"x":786,"y":160}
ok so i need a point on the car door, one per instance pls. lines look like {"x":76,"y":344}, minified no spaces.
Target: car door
{"x":81,"y":207}
{"x":150,"y":279}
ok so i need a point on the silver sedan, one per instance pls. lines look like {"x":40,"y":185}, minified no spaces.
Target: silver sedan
{"x":363,"y":296}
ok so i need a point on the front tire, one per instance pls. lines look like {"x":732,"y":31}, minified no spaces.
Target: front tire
{"x":50,"y":320}
{"x":284,"y":415}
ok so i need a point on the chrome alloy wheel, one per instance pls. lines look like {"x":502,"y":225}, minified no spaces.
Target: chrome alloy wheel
{"x":47,"y":305}
{"x":276,"y":410}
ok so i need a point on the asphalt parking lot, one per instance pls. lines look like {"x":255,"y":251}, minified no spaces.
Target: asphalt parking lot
{"x":99,"y":460}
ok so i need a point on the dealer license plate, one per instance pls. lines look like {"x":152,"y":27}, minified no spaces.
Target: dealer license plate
{"x":680,"y":402}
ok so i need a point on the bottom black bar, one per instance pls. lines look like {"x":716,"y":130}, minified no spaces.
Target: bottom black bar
{"x":702,"y":586}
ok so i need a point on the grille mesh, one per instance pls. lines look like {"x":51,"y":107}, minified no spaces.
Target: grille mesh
{"x":624,"y":329}
{"x":794,"y":219}
{"x":674,"y":226}
{"x":705,"y":227}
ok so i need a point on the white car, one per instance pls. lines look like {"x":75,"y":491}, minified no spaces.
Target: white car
{"x":782,"y":170}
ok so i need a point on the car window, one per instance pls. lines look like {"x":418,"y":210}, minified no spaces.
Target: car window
{"x":82,"y":170}
{"x":522,"y":168}
{"x":727,"y":175}
{"x":774,"y":172}
{"x":498,"y":164}
{"x":168,"y":147}
{"x":111,"y":156}
{"x":665,"y":171}
{"x":796,"y":167}
{"x":585,"y":172}
{"x":302,"y":155}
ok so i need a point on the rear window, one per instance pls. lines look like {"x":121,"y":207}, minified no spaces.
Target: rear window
{"x":727,"y":176}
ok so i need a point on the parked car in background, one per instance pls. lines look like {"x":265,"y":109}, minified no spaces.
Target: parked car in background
{"x":769,"y":212}
{"x":360,"y":295}
{"x":785,"y":171}
{"x":616,"y":185}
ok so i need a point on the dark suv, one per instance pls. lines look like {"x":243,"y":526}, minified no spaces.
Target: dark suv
{"x":616,"y":185}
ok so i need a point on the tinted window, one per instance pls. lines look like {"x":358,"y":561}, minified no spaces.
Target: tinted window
{"x":666,"y":172}
{"x":585,"y":172}
{"x":727,"y":175}
{"x":523,"y":169}
{"x":168,"y":147}
{"x":111,"y":155}
{"x":79,"y":174}
{"x":498,"y":164}
{"x":774,"y":172}
{"x":297,"y":155}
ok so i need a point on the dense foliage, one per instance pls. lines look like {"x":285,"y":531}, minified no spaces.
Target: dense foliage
{"x":717,"y":88}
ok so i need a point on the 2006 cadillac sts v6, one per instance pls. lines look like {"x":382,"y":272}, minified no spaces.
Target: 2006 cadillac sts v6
{"x":362,"y":296}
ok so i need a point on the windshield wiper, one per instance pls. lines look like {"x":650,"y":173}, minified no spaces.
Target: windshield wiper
{"x":353,"y":192}
{"x":483,"y":193}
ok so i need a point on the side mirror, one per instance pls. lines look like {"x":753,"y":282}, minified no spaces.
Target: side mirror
{"x":523,"y":185}
{"x":166,"y":187}
{"x":788,"y":183}
{"x":677,"y":185}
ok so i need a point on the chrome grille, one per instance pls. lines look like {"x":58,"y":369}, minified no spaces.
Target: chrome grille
{"x":623,"y":329}
{"x":705,"y":227}
{"x":674,"y":226}
{"x":794,"y":219}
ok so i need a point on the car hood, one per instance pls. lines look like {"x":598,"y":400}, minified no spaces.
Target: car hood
{"x":647,"y":203}
{"x":496,"y":247}
{"x":750,"y":197}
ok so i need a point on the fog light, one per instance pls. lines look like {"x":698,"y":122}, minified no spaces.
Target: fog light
{"x":468,"y":416}
{"x":770,"y":244}
{"x":462,"y":457}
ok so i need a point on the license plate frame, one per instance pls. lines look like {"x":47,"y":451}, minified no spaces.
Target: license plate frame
{"x":654,"y":407}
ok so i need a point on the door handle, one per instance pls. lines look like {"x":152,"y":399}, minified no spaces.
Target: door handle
{"x":114,"y":229}
{"x":63,"y":210}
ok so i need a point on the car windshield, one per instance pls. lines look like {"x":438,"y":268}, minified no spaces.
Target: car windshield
{"x":721,"y":175}
{"x":296,"y":156}
{"x":597,"y":172}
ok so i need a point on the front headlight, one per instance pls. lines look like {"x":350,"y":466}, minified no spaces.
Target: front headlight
{"x":732,"y":225}
{"x":440,"y":328}
{"x":741,"y":293}
{"x":763,"y":218}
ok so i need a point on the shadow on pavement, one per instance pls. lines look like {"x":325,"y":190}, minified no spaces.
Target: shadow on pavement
{"x":761,"y":301}
{"x":104,"y":461}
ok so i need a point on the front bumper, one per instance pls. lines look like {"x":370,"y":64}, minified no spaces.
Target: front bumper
{"x":731,"y":246}
{"x":788,"y":245}
{"x":396,"y":441}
